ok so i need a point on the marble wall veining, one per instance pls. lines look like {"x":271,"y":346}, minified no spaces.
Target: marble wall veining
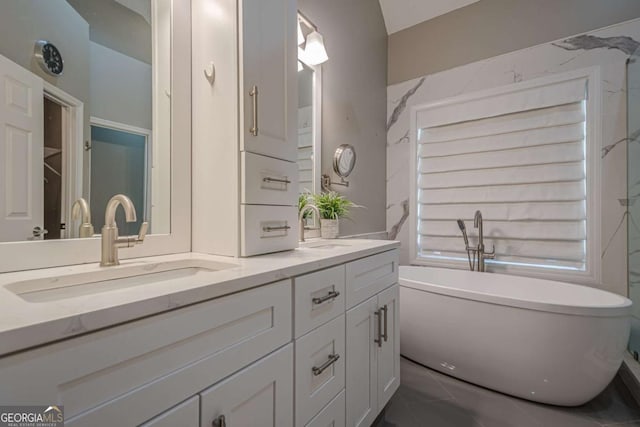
{"x":608,"y":48}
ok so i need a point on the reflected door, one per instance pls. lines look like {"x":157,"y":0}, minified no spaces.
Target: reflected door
{"x":118,"y":166}
{"x":21,"y":152}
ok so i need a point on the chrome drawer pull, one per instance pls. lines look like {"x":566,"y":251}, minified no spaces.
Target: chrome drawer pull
{"x":378,"y":314}
{"x":333,"y":358}
{"x":270,"y":229}
{"x":219,"y":422}
{"x":385,"y":336}
{"x":327,"y":297}
{"x":283,"y":181}
{"x":254,"y":94}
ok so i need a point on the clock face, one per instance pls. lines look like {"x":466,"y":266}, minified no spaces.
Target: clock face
{"x":49,"y":58}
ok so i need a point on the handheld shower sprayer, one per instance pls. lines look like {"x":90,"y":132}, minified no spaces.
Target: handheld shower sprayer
{"x":472,"y":262}
{"x":464,"y":232}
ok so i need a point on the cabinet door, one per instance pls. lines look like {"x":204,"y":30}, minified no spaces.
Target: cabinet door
{"x":389,"y":352}
{"x":268,"y":43}
{"x":259,"y":395}
{"x":362,"y":372}
{"x":186,"y":414}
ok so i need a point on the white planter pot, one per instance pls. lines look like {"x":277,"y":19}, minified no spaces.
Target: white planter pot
{"x":329,"y":228}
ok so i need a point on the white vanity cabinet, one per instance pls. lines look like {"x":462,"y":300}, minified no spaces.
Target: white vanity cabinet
{"x":283,"y":354}
{"x":128,"y":374}
{"x":245,"y":175}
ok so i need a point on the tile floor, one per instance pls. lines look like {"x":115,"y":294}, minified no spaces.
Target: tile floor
{"x":428,"y":398}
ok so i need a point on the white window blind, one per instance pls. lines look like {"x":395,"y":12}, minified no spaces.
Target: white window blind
{"x":519,"y":157}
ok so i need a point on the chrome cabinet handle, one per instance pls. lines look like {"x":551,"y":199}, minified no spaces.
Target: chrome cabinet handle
{"x":385,"y":336}
{"x":378,"y":314}
{"x":270,"y":229}
{"x":333,"y":358}
{"x":254,"y":94}
{"x":219,"y":422}
{"x":39,"y":232}
{"x":283,"y":181}
{"x":327,"y":297}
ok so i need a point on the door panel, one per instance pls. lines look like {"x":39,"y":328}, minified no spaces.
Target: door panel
{"x":389,"y":352}
{"x":361,"y":374}
{"x":269,"y":64}
{"x":21,"y":152}
{"x":260,"y":395}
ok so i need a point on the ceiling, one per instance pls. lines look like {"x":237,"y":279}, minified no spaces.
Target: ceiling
{"x":401,"y":14}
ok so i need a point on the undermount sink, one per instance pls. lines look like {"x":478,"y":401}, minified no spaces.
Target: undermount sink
{"x":111,"y":278}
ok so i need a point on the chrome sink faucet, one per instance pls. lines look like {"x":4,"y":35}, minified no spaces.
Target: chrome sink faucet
{"x":479,"y":250}
{"x":110,"y":239}
{"x":80,"y":210}
{"x":301,"y":227}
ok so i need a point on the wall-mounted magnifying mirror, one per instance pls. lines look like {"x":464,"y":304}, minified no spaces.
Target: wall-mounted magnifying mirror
{"x":344,"y":160}
{"x":88,"y":114}
{"x":309,"y":112}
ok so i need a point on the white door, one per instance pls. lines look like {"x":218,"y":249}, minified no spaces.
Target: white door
{"x":389,"y":352}
{"x":361,"y":370}
{"x":21,"y":152}
{"x":260,"y":395}
{"x":269,"y":64}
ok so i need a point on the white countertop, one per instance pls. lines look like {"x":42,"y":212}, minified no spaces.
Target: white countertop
{"x":25,"y":324}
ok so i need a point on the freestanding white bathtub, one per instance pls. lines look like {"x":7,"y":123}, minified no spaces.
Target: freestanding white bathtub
{"x":541,"y":340}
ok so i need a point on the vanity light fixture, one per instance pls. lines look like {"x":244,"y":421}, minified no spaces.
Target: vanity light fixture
{"x":315,"y":50}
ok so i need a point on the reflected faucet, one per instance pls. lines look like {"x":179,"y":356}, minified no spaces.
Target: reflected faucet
{"x":110,"y":240}
{"x":80,"y":210}
{"x":301,"y":219}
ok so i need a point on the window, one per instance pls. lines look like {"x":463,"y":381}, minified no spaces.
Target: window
{"x":525,"y":156}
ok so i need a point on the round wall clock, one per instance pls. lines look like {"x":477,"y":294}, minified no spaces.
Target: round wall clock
{"x":49,"y":57}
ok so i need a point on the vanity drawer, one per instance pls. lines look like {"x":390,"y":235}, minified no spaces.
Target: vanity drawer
{"x":332,"y":415}
{"x":268,"y":181}
{"x":368,"y":276}
{"x":320,"y":368}
{"x":128,"y":374}
{"x":268,"y":229}
{"x":318,"y":298}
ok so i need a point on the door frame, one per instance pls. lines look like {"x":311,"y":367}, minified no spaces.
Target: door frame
{"x":72,"y":150}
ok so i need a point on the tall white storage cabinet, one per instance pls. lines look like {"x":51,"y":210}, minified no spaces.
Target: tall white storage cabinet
{"x":245,"y":179}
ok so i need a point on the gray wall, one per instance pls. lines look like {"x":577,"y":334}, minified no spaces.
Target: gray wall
{"x":120,"y":87}
{"x":492,"y":27}
{"x":354,"y":101}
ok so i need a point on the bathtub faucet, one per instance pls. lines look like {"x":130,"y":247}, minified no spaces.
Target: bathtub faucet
{"x":482,"y":255}
{"x":478,"y":251}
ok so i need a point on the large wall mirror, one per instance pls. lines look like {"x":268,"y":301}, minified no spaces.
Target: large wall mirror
{"x":89,"y":96}
{"x":309,"y":111}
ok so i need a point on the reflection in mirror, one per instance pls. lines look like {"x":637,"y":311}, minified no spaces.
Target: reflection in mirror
{"x":87,"y":114}
{"x":309,"y":112}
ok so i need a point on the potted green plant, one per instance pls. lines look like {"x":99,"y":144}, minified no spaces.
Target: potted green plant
{"x":332,"y":207}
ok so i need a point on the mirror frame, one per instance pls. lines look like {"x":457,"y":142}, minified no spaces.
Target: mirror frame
{"x":17,"y":256}
{"x":317,"y":115}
